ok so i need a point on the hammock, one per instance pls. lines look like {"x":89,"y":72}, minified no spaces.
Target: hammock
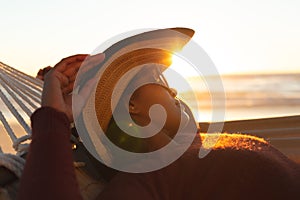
{"x":20,"y":96}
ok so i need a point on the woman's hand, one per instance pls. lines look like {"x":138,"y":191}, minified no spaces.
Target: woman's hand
{"x":42,"y":72}
{"x":59,"y":82}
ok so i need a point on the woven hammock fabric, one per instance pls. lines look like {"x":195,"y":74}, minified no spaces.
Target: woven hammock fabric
{"x":20,"y":95}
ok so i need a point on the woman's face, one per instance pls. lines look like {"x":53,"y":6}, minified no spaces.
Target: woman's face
{"x":150,"y":94}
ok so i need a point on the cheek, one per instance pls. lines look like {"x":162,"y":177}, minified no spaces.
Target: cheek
{"x":173,"y":116}
{"x":172,"y":112}
{"x":164,"y":99}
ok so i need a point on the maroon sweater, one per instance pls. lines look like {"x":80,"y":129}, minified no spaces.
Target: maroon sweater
{"x":237,"y":168}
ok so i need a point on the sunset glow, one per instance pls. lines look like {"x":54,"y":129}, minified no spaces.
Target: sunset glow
{"x":256,"y":41}
{"x":240,"y":37}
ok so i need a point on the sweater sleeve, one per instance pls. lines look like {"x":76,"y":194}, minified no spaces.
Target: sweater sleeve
{"x":49,"y":171}
{"x":128,"y":186}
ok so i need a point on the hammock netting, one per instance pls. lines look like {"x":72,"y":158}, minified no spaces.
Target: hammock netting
{"x":20,"y":95}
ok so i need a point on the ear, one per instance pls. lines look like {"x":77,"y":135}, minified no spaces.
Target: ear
{"x":134,"y":108}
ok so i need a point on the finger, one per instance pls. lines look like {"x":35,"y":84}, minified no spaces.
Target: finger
{"x":72,"y":78}
{"x":64,"y":80}
{"x":88,"y":63}
{"x":63,"y":64}
{"x":72,"y":69}
{"x":89,"y":71}
{"x":71,"y":72}
{"x":92,"y":61}
{"x":69,"y":88}
{"x":55,"y":75}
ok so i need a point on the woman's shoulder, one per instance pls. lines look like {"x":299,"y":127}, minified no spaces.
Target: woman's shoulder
{"x":245,"y":163}
{"x":241,"y":147}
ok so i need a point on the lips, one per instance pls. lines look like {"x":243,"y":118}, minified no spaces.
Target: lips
{"x":184,"y":117}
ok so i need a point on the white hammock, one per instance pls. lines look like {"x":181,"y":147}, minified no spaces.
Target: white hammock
{"x":20,"y":95}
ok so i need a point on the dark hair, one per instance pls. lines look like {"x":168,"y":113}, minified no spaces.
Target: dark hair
{"x":123,"y":140}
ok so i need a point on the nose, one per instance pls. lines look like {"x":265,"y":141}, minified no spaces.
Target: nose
{"x":173,"y":92}
{"x":177,"y":102}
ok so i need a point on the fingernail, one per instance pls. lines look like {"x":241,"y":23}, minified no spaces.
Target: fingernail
{"x":99,"y":54}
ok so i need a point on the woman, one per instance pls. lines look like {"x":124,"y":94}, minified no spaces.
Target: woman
{"x":238,"y":167}
{"x":49,"y":174}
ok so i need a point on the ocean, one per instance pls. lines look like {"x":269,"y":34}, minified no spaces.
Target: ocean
{"x":248,"y":97}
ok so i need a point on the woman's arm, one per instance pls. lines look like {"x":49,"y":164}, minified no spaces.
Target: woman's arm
{"x":49,"y":171}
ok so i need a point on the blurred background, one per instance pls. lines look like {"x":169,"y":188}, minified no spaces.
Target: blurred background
{"x":254,"y":44}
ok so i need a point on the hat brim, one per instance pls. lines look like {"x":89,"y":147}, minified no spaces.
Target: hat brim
{"x":149,"y":47}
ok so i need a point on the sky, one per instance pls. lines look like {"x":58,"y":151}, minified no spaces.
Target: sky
{"x":253,"y":36}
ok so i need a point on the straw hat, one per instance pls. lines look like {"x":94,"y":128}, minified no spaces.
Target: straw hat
{"x":125,"y":56}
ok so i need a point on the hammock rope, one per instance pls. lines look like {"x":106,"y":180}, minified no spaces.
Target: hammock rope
{"x":26,"y":88}
{"x":30,"y":79}
{"x":7,"y":127}
{"x":14,"y":111}
{"x":19,"y":92}
{"x":13,"y":162}
{"x":21,"y":95}
{"x":35,"y":89}
{"x":29,"y":93}
{"x":19,"y":102}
